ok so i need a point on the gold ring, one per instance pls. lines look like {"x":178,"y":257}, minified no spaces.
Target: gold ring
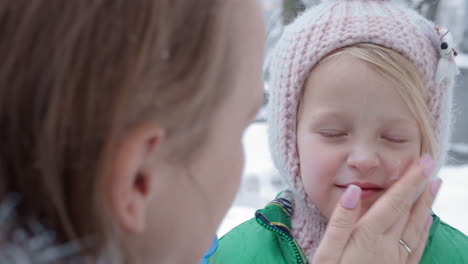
{"x":405,"y":246}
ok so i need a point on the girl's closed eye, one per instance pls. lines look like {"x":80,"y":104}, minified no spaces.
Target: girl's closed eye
{"x":332,"y":133}
{"x":395,"y":139}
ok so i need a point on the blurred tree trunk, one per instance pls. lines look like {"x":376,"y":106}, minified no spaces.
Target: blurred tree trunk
{"x":464,"y":45}
{"x":291,"y":8}
{"x":428,"y":8}
{"x":431,"y":12}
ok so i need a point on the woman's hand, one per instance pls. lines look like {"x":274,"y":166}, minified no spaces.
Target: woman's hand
{"x":375,"y":237}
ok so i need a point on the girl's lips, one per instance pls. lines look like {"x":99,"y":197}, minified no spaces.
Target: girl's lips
{"x":368,"y":189}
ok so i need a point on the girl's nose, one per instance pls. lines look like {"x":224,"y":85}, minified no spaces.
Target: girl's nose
{"x":363,"y":160}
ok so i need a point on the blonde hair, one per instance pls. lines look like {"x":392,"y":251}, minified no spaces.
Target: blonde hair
{"x":410,"y":86}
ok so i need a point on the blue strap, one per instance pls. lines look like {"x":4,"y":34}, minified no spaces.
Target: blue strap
{"x":211,"y":250}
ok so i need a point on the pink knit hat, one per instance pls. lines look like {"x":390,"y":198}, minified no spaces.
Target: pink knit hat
{"x":330,"y":26}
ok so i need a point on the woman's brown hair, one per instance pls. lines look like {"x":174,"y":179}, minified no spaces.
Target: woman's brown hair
{"x":76,"y":75}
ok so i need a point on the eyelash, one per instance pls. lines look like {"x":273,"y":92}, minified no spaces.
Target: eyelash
{"x":395,"y":140}
{"x":338,"y":134}
{"x":332,"y":133}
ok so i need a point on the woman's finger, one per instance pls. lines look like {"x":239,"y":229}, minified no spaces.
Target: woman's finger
{"x":416,"y":255}
{"x":398,"y":200}
{"x":340,"y":227}
{"x":417,"y":229}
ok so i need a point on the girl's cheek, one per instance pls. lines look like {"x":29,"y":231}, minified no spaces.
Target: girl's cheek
{"x":397,"y":164}
{"x":395,"y":170}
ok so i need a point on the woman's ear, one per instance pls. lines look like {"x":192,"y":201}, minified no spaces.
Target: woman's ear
{"x":132,"y":176}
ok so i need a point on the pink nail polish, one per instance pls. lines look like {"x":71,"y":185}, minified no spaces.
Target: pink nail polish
{"x":428,"y":222}
{"x":435,"y":186}
{"x":351,"y":197}
{"x":428,"y":164}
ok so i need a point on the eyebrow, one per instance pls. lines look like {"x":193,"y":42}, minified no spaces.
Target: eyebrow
{"x":397,"y":119}
{"x":328,"y":114}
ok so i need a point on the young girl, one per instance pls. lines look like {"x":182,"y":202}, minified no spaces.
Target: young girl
{"x":360,"y":90}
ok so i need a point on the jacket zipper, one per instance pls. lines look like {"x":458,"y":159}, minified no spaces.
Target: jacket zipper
{"x":291,"y":241}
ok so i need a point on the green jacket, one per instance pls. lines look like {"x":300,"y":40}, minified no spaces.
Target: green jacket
{"x":266,"y":238}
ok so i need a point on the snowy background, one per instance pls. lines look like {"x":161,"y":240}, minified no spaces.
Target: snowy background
{"x":261,"y":182}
